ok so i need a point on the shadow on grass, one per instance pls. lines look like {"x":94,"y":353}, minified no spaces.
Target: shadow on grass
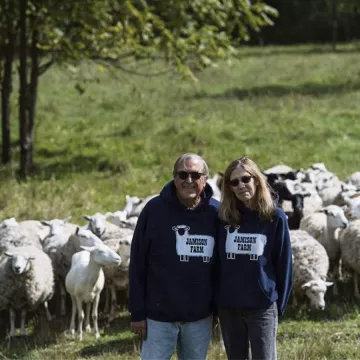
{"x":270,"y":50}
{"x":120,"y":346}
{"x":78,"y":165}
{"x":42,"y":334}
{"x":119,"y":324}
{"x":307,"y":89}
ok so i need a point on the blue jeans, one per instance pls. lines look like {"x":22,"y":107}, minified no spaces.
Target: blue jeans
{"x":191,"y":340}
{"x":257,"y":326}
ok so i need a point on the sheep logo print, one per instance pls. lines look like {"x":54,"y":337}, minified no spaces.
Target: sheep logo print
{"x":193,"y":245}
{"x":244,"y":244}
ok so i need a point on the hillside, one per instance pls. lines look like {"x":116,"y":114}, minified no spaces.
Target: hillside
{"x":291,"y":105}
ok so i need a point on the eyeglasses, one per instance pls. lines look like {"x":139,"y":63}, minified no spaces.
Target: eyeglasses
{"x":244,"y":179}
{"x":183,"y":175}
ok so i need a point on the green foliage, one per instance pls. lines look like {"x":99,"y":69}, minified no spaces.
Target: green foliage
{"x":184,"y":31}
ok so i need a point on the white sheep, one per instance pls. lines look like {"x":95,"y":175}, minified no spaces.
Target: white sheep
{"x":213,"y":182}
{"x":37,"y":227}
{"x":353,"y":207}
{"x":103,"y":228}
{"x":349,"y":239}
{"x":116,"y":277}
{"x":120,"y":219}
{"x":8,"y":222}
{"x":323,"y":227}
{"x":12,"y":234}
{"x":135,"y":205}
{"x":354,"y":179}
{"x":85,"y":281}
{"x":53,"y":244}
{"x":26,"y":281}
{"x":278,"y":169}
{"x":62,"y":257}
{"x":310,"y":268}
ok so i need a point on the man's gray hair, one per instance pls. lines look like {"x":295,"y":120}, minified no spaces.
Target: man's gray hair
{"x":183,"y":158}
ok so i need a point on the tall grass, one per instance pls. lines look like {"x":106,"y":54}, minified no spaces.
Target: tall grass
{"x":291,"y":105}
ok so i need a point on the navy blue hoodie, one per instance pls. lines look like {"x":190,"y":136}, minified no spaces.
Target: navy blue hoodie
{"x":171,"y":262}
{"x":255,"y":267}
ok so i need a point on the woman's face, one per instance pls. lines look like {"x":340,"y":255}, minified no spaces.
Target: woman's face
{"x":243,"y":185}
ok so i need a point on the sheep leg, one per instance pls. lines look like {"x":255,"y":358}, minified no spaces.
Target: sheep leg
{"x":336,"y":275}
{"x":48,"y":315}
{"x":340,"y":271}
{"x":107,"y":300}
{"x":62,"y":298}
{"x":294,"y":299}
{"x":12,"y":322}
{"x":113,"y":303}
{"x":23,"y":319}
{"x":73,"y":314}
{"x":80,"y":317}
{"x":95,"y":315}
{"x":87,"y":317}
{"x":356,"y":286}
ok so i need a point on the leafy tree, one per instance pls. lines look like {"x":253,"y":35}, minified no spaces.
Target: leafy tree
{"x":189,"y":34}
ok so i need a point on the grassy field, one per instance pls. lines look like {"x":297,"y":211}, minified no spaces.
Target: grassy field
{"x":291,"y":105}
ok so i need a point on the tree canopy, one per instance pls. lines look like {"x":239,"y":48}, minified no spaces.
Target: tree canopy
{"x":188,"y":34}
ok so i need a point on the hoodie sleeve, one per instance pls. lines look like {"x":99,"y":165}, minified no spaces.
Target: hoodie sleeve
{"x":138,"y":269}
{"x":283,"y":262}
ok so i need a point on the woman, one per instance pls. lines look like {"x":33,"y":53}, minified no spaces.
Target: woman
{"x":255,"y":275}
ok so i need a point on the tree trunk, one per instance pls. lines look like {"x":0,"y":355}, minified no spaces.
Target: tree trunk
{"x":23,"y":113}
{"x":6,"y":90}
{"x":334,"y":24}
{"x":32,"y":94}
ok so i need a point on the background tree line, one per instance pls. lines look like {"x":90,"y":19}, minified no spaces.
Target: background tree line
{"x":302,"y":21}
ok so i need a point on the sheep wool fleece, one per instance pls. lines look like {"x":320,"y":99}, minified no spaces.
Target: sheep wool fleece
{"x":171,"y":262}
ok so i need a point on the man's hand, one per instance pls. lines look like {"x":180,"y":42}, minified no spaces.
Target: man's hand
{"x":139,"y":328}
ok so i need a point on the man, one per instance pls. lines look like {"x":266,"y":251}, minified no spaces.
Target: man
{"x":171,"y":266}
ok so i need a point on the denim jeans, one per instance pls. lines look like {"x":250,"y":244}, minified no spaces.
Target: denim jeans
{"x":257,"y":326}
{"x":191,"y":340}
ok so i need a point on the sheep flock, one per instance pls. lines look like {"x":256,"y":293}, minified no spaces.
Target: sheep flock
{"x":46,"y":262}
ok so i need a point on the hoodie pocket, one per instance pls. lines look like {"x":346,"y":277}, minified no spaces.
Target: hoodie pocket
{"x":264,"y":291}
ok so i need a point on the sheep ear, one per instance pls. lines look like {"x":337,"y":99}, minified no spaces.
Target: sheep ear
{"x":108,"y":214}
{"x":45,"y":222}
{"x":127,"y":197}
{"x":77,"y":230}
{"x":328,"y":283}
{"x":86,"y":217}
{"x":10,"y":255}
{"x":88,"y":248}
{"x":306,"y":285}
{"x":67,"y":219}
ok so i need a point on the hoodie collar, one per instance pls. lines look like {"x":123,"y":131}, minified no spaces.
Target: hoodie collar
{"x":168,"y":193}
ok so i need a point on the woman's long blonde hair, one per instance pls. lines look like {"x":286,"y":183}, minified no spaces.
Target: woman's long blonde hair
{"x":262,"y":202}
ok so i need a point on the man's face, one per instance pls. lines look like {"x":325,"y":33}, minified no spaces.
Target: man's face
{"x":189,"y":187}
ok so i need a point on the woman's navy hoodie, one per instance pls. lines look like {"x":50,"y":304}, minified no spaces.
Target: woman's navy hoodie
{"x":255,"y":262}
{"x":171,"y":262}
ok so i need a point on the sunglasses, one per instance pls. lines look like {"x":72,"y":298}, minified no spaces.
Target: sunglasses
{"x":244,"y":179}
{"x":183,"y":175}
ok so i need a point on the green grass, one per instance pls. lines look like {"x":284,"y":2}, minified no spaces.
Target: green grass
{"x":292,"y":105}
